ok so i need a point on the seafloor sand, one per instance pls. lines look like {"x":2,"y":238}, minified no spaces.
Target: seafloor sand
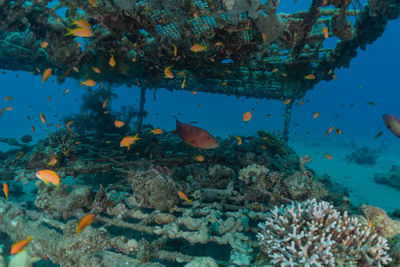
{"x":359,"y":179}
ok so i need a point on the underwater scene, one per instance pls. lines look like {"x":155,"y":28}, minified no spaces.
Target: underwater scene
{"x":199,"y":133}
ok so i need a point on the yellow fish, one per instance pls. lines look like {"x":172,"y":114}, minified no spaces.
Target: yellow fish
{"x":52,"y":162}
{"x":310,"y":77}
{"x":239,"y":140}
{"x":88,"y":82}
{"x":82,"y":23}
{"x":49,"y":176}
{"x":168,"y":73}
{"x":112,"y":61}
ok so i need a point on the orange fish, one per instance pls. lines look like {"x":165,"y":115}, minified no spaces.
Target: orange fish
{"x":184,"y":197}
{"x":69,"y":123}
{"x":20,"y":245}
{"x":5,"y":190}
{"x":264,"y":37}
{"x":310,"y":77}
{"x":8,"y":98}
{"x":46,"y":75}
{"x":183,"y":82}
{"x":112,"y":62}
{"x":49,"y":98}
{"x":195,"y":136}
{"x":119,"y":124}
{"x":329,"y":130}
{"x":82,"y":23}
{"x":19,"y":155}
{"x":197,"y":48}
{"x":43,"y":118}
{"x":338,"y":131}
{"x":1,"y":112}
{"x":168,"y":73}
{"x":105,"y":103}
{"x":239,"y":140}
{"x":156,"y":131}
{"x":274,"y":70}
{"x":194,"y":93}
{"x":79,"y":32}
{"x":175,"y":50}
{"x":93,"y":3}
{"x":95,"y":69}
{"x":33,"y":129}
{"x":199,"y":158}
{"x":84,"y":222}
{"x":328,"y":156}
{"x":49,"y":176}
{"x":334,"y":77}
{"x":247,"y":116}
{"x":316,"y":114}
{"x":75,"y":69}
{"x":300,"y":103}
{"x":52,"y":162}
{"x":8,"y":108}
{"x":287,"y":101}
{"x":44,"y":45}
{"x":325,"y":32}
{"x":65,"y":92}
{"x":127,"y":141}
{"x":88,"y":82}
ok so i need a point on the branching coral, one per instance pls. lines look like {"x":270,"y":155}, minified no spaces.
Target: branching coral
{"x":312,"y":233}
{"x":62,"y":140}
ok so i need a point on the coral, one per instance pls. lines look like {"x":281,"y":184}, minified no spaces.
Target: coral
{"x":392,"y":178}
{"x":63,"y":141}
{"x":22,"y":259}
{"x":380,"y":222}
{"x":272,"y":143}
{"x":202,"y":262}
{"x":252,"y":173}
{"x":300,"y":186}
{"x":363,"y":156}
{"x":164,"y":218}
{"x":62,"y":203}
{"x":27,"y":138}
{"x":154,"y":188}
{"x":312,"y":233}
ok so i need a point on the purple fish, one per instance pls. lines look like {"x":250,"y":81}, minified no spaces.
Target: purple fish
{"x":392,"y":123}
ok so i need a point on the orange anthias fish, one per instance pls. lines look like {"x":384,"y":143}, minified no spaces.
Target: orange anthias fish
{"x":44,"y":45}
{"x":328,"y":156}
{"x":310,"y":77}
{"x":119,"y":124}
{"x":329,"y":130}
{"x":84,"y":222}
{"x":127,"y":141}
{"x":184,"y":197}
{"x":46,"y":75}
{"x":112,"y":62}
{"x":239,"y":140}
{"x":197,"y":48}
{"x":20,"y":245}
{"x":52,"y":162}
{"x":300,"y":103}
{"x":1,"y":112}
{"x":95,"y":69}
{"x":49,"y":176}
{"x":156,"y":131}
{"x":88,"y":82}
{"x":287,"y":101}
{"x":316,"y":114}
{"x":195,"y":136}
{"x":65,"y":92}
{"x":325,"y":32}
{"x":168,"y":73}
{"x":199,"y":158}
{"x":8,"y":98}
{"x":247,"y":116}
{"x":8,"y":108}
{"x":79,"y":32}
{"x":175,"y":50}
{"x":43,"y":118}
{"x":5,"y":190}
{"x":105,"y":103}
{"x":338,"y":131}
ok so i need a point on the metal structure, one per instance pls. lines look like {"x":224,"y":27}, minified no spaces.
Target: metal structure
{"x":250,"y":49}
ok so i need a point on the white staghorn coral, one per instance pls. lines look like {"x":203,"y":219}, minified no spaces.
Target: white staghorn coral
{"x":312,"y":233}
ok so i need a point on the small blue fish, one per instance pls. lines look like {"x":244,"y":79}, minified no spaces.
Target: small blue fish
{"x":227,"y":61}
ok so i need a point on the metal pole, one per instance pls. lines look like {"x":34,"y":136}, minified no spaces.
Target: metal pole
{"x":141,"y":112}
{"x":286,"y":124}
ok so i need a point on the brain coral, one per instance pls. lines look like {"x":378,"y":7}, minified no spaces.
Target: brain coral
{"x":312,"y":233}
